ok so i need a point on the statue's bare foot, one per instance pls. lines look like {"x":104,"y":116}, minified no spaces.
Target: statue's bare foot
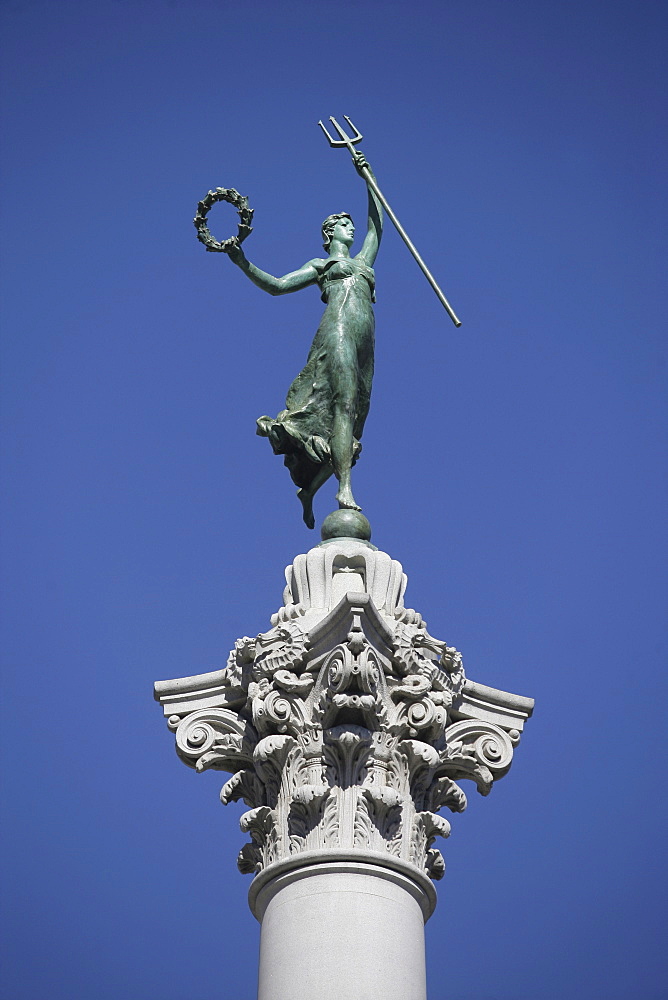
{"x":306,"y":499}
{"x":346,"y":500}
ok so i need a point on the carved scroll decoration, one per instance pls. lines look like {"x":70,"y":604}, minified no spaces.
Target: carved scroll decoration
{"x":355,"y":746}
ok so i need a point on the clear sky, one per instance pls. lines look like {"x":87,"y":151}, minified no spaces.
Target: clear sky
{"x":515,"y":466}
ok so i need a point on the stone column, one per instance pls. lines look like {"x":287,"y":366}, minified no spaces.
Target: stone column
{"x":342,"y":924}
{"x":346,"y":727}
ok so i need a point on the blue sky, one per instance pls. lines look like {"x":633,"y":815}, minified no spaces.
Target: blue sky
{"x":515,"y":466}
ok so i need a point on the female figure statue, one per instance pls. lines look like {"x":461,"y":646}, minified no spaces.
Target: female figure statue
{"x":320,"y":428}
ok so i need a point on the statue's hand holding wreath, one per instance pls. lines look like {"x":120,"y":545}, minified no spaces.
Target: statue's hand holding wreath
{"x":231,"y":246}
{"x":233,"y":250}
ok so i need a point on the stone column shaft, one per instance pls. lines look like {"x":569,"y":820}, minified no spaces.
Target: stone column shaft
{"x":342,"y":928}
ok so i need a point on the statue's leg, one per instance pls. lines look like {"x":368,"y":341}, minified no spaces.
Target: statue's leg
{"x":342,"y":440}
{"x":306,"y":495}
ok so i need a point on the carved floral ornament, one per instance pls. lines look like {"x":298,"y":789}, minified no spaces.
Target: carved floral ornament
{"x":349,"y":735}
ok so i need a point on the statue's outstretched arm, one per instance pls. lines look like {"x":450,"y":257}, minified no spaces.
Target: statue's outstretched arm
{"x":292,"y":282}
{"x":375,"y":225}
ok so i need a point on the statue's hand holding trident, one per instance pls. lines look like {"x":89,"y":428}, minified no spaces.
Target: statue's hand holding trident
{"x":350,"y":143}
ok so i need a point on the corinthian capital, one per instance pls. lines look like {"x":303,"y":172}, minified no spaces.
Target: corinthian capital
{"x":347,"y":725}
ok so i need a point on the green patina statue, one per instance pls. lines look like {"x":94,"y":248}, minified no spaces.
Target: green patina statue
{"x":320,"y":428}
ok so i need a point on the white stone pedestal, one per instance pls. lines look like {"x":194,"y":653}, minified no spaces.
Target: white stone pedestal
{"x":342,"y":926}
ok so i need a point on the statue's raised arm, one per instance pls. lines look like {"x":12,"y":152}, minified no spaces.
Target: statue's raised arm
{"x":375,"y":224}
{"x":349,"y":142}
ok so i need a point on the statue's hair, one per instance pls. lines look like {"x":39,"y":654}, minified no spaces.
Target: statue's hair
{"x":328,"y":227}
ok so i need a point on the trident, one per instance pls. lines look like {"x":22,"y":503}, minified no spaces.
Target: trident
{"x":350,"y":143}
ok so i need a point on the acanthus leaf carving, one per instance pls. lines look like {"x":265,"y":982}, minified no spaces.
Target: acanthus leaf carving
{"x":426,"y":827}
{"x":434,"y":864}
{"x":243,"y":785}
{"x":249,"y":859}
{"x":261,"y":824}
{"x":429,"y":789}
{"x":306,"y":809}
{"x":270,"y":758}
{"x":443,"y":791}
{"x":346,"y":731}
{"x":383,"y":807}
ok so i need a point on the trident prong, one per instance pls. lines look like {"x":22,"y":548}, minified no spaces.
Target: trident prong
{"x":344,"y":140}
{"x":350,"y":143}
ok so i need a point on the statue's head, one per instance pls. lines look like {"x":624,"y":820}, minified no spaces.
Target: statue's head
{"x":347,"y":231}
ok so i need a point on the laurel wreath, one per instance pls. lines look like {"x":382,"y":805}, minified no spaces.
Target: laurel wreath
{"x":245,"y":219}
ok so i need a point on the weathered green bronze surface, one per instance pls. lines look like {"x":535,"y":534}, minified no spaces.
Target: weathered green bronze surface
{"x":320,"y":428}
{"x":319,"y":431}
{"x":244,"y":228}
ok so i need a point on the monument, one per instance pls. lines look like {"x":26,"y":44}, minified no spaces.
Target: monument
{"x":346,"y":726}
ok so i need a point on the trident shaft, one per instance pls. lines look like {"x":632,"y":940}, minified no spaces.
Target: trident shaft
{"x":350,"y":143}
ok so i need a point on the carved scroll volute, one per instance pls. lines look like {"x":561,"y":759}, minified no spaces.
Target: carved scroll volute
{"x":330,"y":679}
{"x":277,"y":692}
{"x":492,"y":747}
{"x":479,"y":751}
{"x":418,"y":713}
{"x":276,"y":711}
{"x":214,"y":738}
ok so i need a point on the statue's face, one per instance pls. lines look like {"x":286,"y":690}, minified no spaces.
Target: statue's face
{"x":344,"y":231}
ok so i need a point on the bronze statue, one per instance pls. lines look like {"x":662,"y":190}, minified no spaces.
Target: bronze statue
{"x":320,"y":428}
